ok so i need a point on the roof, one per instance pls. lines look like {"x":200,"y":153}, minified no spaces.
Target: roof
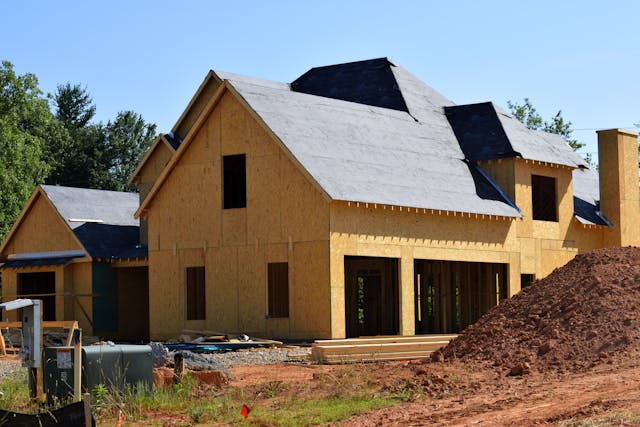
{"x":370,"y":131}
{"x":36,"y":262}
{"x":586,"y":198}
{"x":485,"y":132}
{"x":364,"y":153}
{"x":80,"y":205}
{"x":101,"y":220}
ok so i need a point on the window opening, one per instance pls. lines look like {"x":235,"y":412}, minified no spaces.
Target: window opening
{"x":234,"y":179}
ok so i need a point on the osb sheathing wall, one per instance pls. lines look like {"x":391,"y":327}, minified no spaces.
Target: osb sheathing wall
{"x":42,"y":230}
{"x":148,"y":175}
{"x":359,"y":229}
{"x":544,"y":245}
{"x":74,"y":279}
{"x":527,"y":246}
{"x":619,"y":201}
{"x":286,"y":220}
{"x":152,"y":168}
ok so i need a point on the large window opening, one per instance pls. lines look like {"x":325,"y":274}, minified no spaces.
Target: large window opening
{"x":543,"y":195}
{"x":234,"y":191}
{"x":451,"y":295}
{"x":278,"y":289}
{"x":196,"y":308}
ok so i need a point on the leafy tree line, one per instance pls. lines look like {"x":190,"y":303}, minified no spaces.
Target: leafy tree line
{"x":527,"y":114}
{"x":52,"y":139}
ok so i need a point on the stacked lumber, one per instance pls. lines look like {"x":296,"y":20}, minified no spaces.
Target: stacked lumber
{"x":377,"y":348}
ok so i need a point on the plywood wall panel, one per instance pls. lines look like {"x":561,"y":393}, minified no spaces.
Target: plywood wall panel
{"x":42,"y":230}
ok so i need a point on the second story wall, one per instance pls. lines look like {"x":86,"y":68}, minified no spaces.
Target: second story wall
{"x":281,"y":203}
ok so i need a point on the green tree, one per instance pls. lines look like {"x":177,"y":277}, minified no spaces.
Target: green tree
{"x":25,"y":123}
{"x":74,"y":106}
{"x":527,"y":114}
{"x":72,"y":158}
{"x":95,"y":155}
{"x":123,"y":144}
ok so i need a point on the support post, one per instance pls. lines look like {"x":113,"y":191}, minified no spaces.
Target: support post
{"x":77,"y":365}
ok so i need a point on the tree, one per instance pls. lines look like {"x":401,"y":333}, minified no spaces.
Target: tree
{"x":25,"y":123}
{"x":75,"y":108}
{"x":95,"y":155}
{"x":71,"y":158}
{"x":527,"y":114}
{"x":124,"y":141}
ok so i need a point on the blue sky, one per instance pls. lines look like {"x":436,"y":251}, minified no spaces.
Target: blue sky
{"x":150,"y":56}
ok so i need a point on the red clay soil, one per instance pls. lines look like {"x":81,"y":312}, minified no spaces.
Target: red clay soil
{"x":582,"y":315}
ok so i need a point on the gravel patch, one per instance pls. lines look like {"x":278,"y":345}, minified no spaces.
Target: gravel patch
{"x":258,"y":356}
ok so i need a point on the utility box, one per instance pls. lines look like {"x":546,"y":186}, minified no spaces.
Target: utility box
{"x":114,"y":366}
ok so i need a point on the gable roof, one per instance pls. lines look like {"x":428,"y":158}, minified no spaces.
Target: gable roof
{"x":102,"y":221}
{"x":80,"y":205}
{"x":370,"y":131}
{"x":364,"y":153}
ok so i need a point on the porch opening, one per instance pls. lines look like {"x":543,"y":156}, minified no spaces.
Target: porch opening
{"x":371,"y":296}
{"x":451,"y":295}
{"x":40,"y":286}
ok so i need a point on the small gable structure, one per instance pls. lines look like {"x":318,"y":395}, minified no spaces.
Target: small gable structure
{"x":79,"y":251}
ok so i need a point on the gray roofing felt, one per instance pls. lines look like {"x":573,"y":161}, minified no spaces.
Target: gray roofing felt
{"x":586,"y":197}
{"x":87,"y":205}
{"x":102,"y":220}
{"x":362,"y":153}
{"x":538,"y":145}
{"x":486,"y":132}
{"x":370,"y":131}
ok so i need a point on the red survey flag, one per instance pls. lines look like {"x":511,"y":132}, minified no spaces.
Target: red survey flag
{"x":245,"y":411}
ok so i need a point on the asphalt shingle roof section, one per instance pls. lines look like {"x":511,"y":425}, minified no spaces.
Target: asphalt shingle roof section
{"x":362,"y":153}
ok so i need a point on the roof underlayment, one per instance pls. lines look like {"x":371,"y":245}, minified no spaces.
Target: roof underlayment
{"x":406,"y":154}
{"x":101,"y":220}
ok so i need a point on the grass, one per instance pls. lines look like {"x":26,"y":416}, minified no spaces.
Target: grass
{"x":15,"y":391}
{"x":331,"y":397}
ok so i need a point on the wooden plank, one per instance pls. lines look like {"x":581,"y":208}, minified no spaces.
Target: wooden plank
{"x":3,"y":349}
{"x":379,"y":349}
{"x":396,"y":339}
{"x":64,"y":324}
{"x":375,"y":358}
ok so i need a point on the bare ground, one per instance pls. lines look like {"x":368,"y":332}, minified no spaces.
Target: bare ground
{"x":471,"y":396}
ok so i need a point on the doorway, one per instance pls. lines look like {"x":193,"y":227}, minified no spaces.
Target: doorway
{"x":40,"y":286}
{"x":371,"y":296}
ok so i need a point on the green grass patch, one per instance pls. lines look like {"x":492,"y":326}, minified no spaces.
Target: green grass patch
{"x":274,"y":403}
{"x":321,"y":411}
{"x":15,"y":389}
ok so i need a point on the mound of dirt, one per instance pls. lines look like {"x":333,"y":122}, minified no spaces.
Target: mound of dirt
{"x":581,"y":315}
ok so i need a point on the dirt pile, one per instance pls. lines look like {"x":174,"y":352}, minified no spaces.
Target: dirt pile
{"x":583,"y":314}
